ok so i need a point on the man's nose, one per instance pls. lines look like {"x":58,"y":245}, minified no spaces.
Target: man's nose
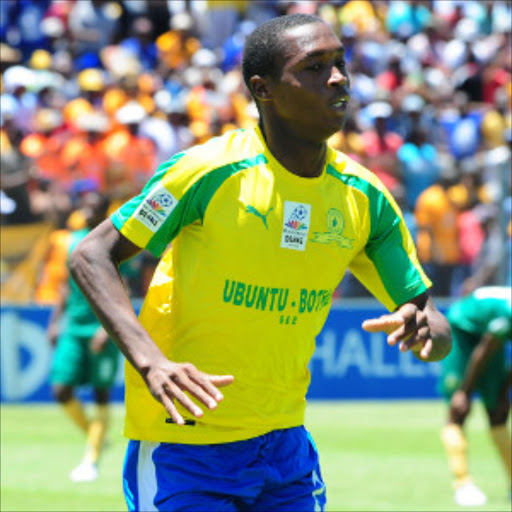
{"x":337,"y":77}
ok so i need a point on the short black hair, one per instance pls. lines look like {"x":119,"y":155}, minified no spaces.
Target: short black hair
{"x":264,"y":46}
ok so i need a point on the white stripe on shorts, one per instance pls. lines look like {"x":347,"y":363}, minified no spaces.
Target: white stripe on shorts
{"x":146,"y":476}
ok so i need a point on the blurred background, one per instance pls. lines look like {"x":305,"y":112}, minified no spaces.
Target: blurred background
{"x":95,"y":94}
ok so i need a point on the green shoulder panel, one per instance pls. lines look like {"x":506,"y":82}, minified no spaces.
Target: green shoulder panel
{"x":128,"y":208}
{"x":386,"y":246}
{"x":192,"y":206}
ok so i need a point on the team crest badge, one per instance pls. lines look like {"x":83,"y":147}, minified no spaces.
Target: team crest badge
{"x":334,"y":234}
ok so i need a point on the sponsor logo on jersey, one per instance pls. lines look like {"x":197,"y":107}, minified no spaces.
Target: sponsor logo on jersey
{"x":156,"y":207}
{"x":288,"y":303}
{"x":296,"y":221}
{"x":335,"y":226}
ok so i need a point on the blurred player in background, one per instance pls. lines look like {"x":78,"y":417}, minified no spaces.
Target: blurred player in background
{"x":263,"y":223}
{"x":84,"y":354}
{"x":481,"y":324}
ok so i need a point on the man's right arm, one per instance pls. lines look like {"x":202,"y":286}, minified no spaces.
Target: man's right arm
{"x":94,"y":267}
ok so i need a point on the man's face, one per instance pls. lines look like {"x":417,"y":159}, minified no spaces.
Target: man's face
{"x":311,"y":95}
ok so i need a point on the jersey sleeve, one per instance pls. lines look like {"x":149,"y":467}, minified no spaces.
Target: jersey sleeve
{"x":150,"y":219}
{"x":176,"y":196}
{"x":179,"y":192}
{"x":388,"y":265}
{"x":422,"y":211}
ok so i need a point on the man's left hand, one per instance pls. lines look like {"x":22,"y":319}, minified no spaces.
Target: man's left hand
{"x":407,"y":326}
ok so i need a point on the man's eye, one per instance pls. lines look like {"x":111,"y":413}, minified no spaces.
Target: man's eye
{"x":314,"y":67}
{"x":340,"y":64}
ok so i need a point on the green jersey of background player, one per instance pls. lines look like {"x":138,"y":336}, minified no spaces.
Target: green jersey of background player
{"x":481,"y":324}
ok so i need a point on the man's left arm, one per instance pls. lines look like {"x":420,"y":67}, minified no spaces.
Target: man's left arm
{"x":416,"y":325}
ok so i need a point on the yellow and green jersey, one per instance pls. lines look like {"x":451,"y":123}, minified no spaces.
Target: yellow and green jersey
{"x":256,"y":255}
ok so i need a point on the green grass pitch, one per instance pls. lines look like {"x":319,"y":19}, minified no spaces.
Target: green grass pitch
{"x":375,"y":456}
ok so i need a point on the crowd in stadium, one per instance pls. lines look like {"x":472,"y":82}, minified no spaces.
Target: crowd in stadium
{"x":95,"y":94}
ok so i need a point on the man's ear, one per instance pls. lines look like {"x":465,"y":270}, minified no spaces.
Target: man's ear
{"x":260,"y":88}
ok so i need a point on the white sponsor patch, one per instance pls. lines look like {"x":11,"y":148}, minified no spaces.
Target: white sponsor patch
{"x":296,"y":221}
{"x":156,"y":207}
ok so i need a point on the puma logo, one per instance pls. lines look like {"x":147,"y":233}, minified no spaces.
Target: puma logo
{"x":251,"y":209}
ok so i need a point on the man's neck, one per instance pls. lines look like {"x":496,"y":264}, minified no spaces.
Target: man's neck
{"x":298,"y":155}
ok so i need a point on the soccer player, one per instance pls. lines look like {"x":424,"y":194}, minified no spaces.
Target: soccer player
{"x":84,"y":354}
{"x":481,"y":322}
{"x":263,"y":224}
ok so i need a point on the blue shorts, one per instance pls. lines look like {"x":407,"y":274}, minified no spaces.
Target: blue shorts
{"x":278,"y":471}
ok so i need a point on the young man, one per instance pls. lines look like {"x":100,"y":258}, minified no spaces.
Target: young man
{"x":481,"y":323}
{"x":84,"y":354}
{"x":263,"y":224}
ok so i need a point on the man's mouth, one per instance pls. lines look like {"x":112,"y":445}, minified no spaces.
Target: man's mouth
{"x":340,"y":102}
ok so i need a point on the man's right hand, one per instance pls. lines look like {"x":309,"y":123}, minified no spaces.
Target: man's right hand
{"x":170,"y":381}
{"x":94,"y":266}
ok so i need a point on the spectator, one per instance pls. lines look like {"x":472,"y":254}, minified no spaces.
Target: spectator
{"x":419,"y":168}
{"x":93,"y":24}
{"x":392,"y":78}
{"x":415,"y":113}
{"x":54,"y":272}
{"x":461,"y":125}
{"x":178,"y":44}
{"x":83,"y":155}
{"x":15,"y":176}
{"x":11,"y":132}
{"x":159,"y":12}
{"x":487,"y":264}
{"x":361,"y":14}
{"x":406,"y":18}
{"x":160,"y":132}
{"x":91,"y":82}
{"x":399,"y":194}
{"x":44,"y":145}
{"x":220,"y":21}
{"x":17,"y":83}
{"x":381,"y":145}
{"x":496,"y":120}
{"x":471,"y":238}
{"x":24,"y":25}
{"x":132,"y":157}
{"x":349,"y":140}
{"x":436,"y":218}
{"x":141,"y":44}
